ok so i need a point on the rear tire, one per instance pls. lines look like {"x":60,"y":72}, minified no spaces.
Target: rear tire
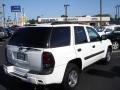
{"x":71,"y":78}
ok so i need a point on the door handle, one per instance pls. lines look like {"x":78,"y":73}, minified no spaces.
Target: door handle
{"x":93,"y":46}
{"x":79,"y":49}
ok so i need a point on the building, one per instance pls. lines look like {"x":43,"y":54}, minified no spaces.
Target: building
{"x":83,"y":20}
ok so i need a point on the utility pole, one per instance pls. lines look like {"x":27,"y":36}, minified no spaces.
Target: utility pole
{"x":0,"y":16}
{"x":100,"y":13}
{"x":66,"y":5}
{"x":116,"y":10}
{"x":3,"y":5}
{"x":117,"y":13}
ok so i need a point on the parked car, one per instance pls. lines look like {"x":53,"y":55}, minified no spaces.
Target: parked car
{"x":114,"y":36}
{"x":6,"y":33}
{"x":10,"y":31}
{"x":108,"y":29}
{"x":99,"y":30}
{"x":49,"y":54}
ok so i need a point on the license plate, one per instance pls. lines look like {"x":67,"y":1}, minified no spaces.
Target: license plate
{"x":21,"y":56}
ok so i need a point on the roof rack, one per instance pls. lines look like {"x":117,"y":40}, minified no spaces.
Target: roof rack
{"x":30,"y":25}
{"x":64,"y":22}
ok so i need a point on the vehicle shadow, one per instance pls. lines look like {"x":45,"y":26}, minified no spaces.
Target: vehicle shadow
{"x":116,"y":70}
{"x":101,"y":73}
{"x":113,"y":72}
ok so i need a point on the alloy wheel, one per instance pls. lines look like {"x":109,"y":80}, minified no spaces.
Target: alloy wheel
{"x":73,"y":78}
{"x":115,"y":45}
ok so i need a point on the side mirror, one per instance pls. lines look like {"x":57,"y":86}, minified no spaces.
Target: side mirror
{"x":103,"y":37}
{"x":105,"y":32}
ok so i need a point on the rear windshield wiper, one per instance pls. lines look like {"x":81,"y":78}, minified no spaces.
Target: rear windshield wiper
{"x":31,"y":48}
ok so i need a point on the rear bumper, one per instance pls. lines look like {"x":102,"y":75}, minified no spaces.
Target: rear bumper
{"x":23,"y":74}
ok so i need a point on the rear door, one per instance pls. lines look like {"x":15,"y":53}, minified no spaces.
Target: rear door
{"x":82,"y":46}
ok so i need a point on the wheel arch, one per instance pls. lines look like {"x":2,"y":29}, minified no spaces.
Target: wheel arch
{"x":110,"y":48}
{"x":77,"y":61}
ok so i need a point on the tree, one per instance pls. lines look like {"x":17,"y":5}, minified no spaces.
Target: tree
{"x":32,"y":21}
{"x":103,"y":15}
{"x":63,"y":16}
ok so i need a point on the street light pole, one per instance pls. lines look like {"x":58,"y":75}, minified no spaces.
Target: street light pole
{"x":100,"y":13}
{"x":66,"y":5}
{"x":3,"y":5}
{"x":117,"y":13}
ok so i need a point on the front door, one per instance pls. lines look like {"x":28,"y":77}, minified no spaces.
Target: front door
{"x":96,"y":44}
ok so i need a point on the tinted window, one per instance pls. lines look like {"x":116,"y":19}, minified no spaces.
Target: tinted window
{"x":108,"y":30}
{"x":94,"y":36}
{"x":31,"y":37}
{"x":60,"y":37}
{"x":117,"y":30}
{"x":80,"y":35}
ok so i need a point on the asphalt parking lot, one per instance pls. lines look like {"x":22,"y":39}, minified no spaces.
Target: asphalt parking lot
{"x":95,"y":77}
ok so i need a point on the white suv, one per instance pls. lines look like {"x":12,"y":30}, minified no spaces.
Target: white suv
{"x":49,"y":54}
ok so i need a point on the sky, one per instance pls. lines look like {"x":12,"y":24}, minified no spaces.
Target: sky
{"x":55,"y":8}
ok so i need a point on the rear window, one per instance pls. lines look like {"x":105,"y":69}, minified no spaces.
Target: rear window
{"x":31,"y":37}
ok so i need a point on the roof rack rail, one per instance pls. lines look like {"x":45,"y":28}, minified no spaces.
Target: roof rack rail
{"x":64,"y":22}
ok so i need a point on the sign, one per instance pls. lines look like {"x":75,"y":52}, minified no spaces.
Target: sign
{"x":94,"y":19}
{"x":15,"y":9}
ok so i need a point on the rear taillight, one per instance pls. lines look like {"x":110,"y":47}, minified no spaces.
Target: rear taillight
{"x":48,"y":62}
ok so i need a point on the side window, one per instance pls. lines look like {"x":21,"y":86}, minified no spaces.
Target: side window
{"x":108,"y":30}
{"x":94,"y":36}
{"x":80,"y":35}
{"x":60,"y":37}
{"x":117,"y":30}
